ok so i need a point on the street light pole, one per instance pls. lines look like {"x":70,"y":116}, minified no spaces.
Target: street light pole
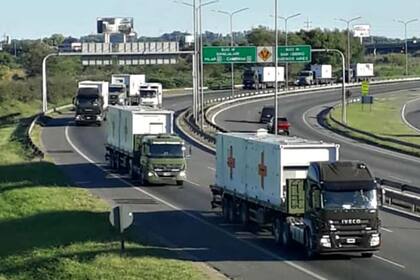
{"x":276,"y":60}
{"x":44,"y":82}
{"x":405,"y":23}
{"x":286,"y":20}
{"x":343,"y":88}
{"x":348,"y":43}
{"x":197,"y":57}
{"x":231,"y":14}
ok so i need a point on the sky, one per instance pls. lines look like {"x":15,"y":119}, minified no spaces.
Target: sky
{"x":40,"y":18}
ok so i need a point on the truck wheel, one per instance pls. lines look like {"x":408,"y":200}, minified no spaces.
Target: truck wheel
{"x":310,"y":254}
{"x":225,"y":208}
{"x":179,"y":182}
{"x":244,"y":214}
{"x":285,"y":235}
{"x":233,"y":217}
{"x":277,"y":231}
{"x":367,"y":255}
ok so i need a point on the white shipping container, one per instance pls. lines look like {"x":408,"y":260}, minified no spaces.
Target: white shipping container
{"x":124,"y":122}
{"x":364,"y":70}
{"x":258,"y":165}
{"x":102,"y":86}
{"x":132,"y":82}
{"x":268,"y":73}
{"x":322,"y":71}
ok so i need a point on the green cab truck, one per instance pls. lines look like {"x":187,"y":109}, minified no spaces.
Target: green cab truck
{"x":140,"y":141}
{"x":300,"y":190}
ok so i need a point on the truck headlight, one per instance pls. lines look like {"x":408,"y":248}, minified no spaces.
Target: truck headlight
{"x":325,"y":241}
{"x":98,"y":118}
{"x":182,"y":174}
{"x":78,"y":117}
{"x":375,"y":240}
{"x":150,"y":174}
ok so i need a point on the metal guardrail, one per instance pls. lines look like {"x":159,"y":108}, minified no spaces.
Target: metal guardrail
{"x":36,"y":151}
{"x":381,"y":138}
{"x":400,"y":197}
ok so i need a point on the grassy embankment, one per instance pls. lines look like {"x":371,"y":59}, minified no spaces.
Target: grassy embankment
{"x":50,"y":230}
{"x":382,"y":119}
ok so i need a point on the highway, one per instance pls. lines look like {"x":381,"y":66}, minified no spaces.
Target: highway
{"x":412,"y":113}
{"x":181,"y":217}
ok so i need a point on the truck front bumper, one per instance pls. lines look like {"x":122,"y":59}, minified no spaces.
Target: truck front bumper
{"x":88,"y":119}
{"x":335,"y":243}
{"x":165,"y":177}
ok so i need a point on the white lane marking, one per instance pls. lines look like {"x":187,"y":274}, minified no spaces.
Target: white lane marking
{"x":198,"y":219}
{"x":359,"y":144}
{"x":211,"y":168}
{"x":193,"y":183}
{"x":387,"y":230}
{"x":403,"y":115}
{"x":400,"y":179}
{"x":389,"y":261}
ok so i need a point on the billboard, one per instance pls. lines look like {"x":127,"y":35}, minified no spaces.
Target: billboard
{"x":109,"y":25}
{"x":361,"y":30}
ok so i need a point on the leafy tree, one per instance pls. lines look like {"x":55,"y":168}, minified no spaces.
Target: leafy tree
{"x":33,"y":55}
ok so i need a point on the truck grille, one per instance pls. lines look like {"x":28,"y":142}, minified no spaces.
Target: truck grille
{"x":168,"y":168}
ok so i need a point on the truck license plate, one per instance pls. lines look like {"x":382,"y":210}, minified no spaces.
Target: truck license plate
{"x":166,"y":174}
{"x":351,"y":240}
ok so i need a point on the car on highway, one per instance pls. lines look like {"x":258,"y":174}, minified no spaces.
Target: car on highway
{"x":283,"y":126}
{"x":266,"y":114}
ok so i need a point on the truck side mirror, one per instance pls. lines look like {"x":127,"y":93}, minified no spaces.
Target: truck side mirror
{"x":189,"y":151}
{"x":74,"y":101}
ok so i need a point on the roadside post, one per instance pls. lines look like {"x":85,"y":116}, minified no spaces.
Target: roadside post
{"x":366,"y":98}
{"x":121,"y":219}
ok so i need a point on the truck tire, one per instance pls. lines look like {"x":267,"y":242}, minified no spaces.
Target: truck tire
{"x":310,"y":254}
{"x":285,"y":235}
{"x":367,"y":255}
{"x":244,"y":214}
{"x":179,"y":182}
{"x":225,"y":208}
{"x":277,"y":231}
{"x":233,"y":216}
{"x":133,"y":174}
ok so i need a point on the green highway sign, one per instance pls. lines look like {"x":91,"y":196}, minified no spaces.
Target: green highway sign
{"x":294,"y":54}
{"x":221,"y":55}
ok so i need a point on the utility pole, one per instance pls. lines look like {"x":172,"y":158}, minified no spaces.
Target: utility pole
{"x":308,"y":24}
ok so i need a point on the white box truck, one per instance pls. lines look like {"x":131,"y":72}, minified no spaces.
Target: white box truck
{"x":91,"y":102}
{"x":322,"y":73}
{"x":262,"y":77}
{"x":299,"y":189}
{"x":363,"y":71}
{"x":132,"y":86}
{"x":151,"y":94}
{"x":140,"y":140}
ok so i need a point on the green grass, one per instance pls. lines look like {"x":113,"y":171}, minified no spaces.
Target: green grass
{"x":382,"y":119}
{"x":51,"y":230}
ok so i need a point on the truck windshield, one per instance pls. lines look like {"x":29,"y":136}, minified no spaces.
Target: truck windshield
{"x":87,"y":100}
{"x":358,"y":199}
{"x":147,"y":93}
{"x":305,"y":74}
{"x":167,"y":150}
{"x":116,"y":90}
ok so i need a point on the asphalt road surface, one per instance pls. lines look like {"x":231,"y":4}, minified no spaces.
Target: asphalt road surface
{"x":181,"y":217}
{"x":412,"y":113}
